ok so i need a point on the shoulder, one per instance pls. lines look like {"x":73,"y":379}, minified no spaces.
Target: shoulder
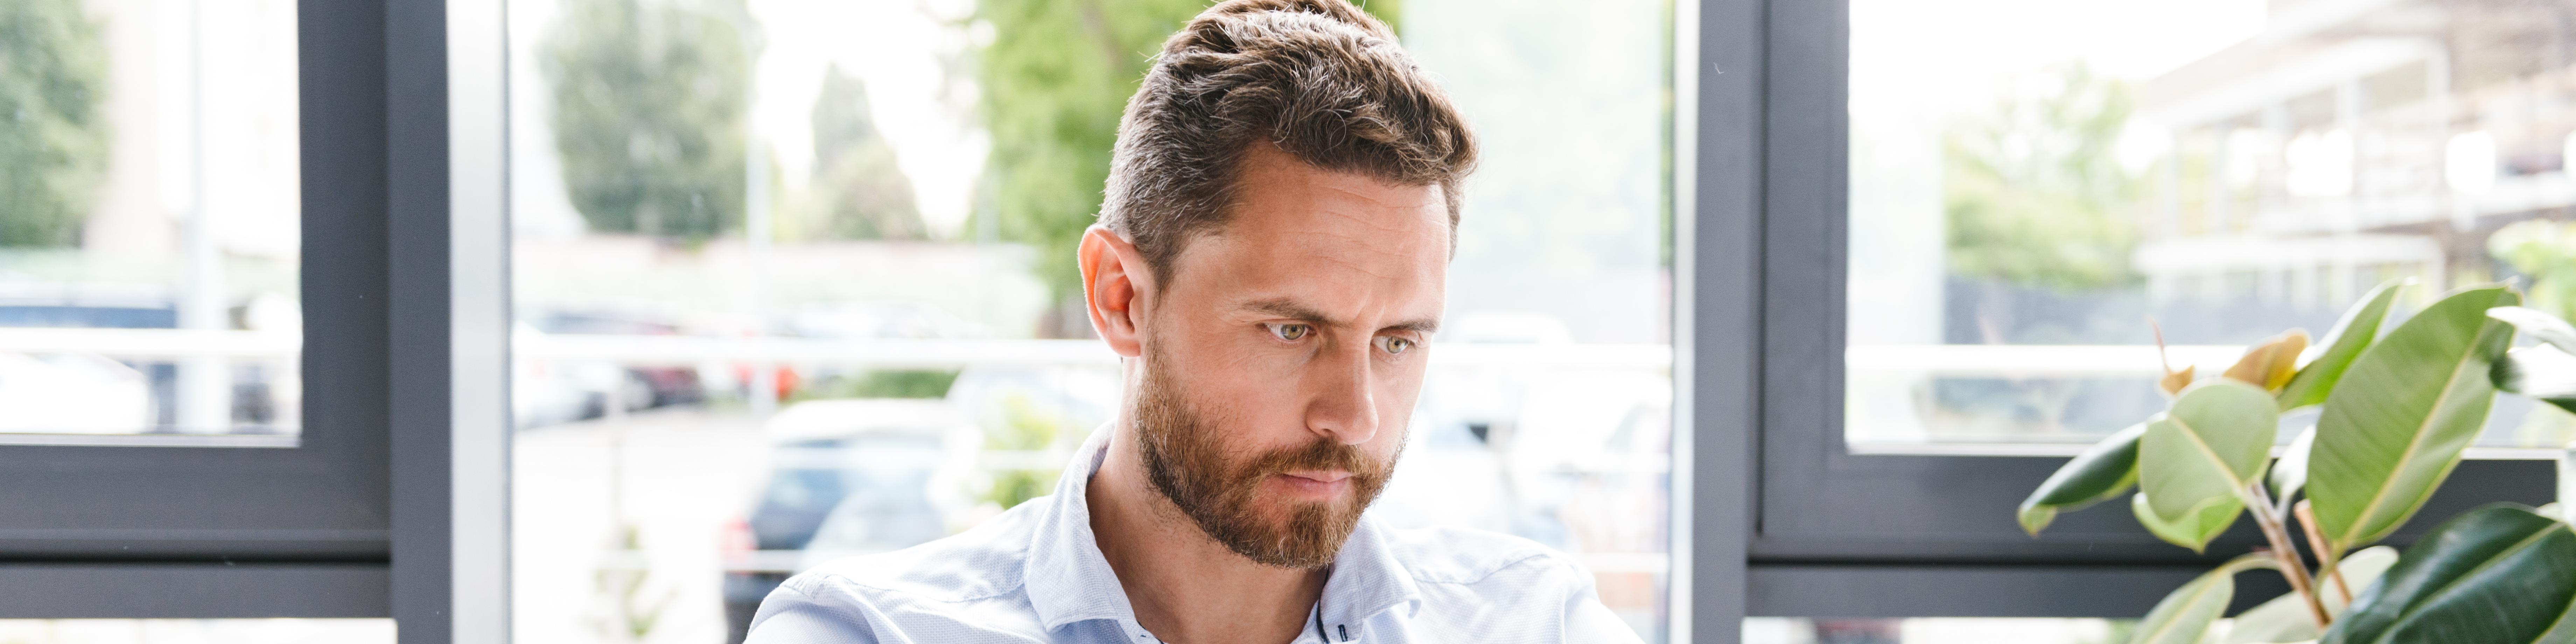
{"x":1504,"y":587}
{"x":981,"y":563}
{"x":1464,"y":556}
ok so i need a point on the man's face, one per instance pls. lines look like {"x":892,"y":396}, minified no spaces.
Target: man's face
{"x":1283,"y":354}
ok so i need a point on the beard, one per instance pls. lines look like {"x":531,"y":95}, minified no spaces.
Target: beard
{"x":1187,"y":462}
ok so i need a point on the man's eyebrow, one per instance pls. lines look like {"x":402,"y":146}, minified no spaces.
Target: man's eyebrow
{"x":1287,"y":308}
{"x":1425,"y":326}
{"x":1291,"y":309}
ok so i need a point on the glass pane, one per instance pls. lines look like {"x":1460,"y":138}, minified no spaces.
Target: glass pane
{"x":197,"y":631}
{"x":2036,"y":187}
{"x":149,"y":223}
{"x":859,"y":335}
{"x":1937,"y":630}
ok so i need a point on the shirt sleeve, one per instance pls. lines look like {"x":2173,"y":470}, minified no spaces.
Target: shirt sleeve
{"x":789,"y":616}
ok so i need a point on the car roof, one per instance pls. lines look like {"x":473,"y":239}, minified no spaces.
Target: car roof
{"x":846,"y":417}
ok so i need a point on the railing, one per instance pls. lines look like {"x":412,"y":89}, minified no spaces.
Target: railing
{"x":677,"y":350}
{"x":1942,"y":360}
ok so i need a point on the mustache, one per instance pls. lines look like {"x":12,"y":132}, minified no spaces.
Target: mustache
{"x":1319,"y":454}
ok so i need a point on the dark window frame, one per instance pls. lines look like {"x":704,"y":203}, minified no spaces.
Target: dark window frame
{"x":221,"y":532}
{"x":1813,"y":530}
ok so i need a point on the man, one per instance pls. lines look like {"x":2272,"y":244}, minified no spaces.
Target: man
{"x":1270,"y":262}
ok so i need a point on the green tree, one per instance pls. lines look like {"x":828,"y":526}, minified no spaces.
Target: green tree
{"x":53,"y":152}
{"x":1054,"y":79}
{"x":649,"y":116}
{"x":858,"y":191}
{"x":2035,"y":195}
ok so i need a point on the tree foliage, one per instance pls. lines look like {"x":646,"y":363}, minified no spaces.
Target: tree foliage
{"x":858,"y":191}
{"x":1055,"y":78}
{"x":650,"y":112}
{"x":53,"y":151}
{"x":2035,"y":194}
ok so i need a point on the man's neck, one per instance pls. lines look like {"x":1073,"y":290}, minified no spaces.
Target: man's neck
{"x":1186,"y":587}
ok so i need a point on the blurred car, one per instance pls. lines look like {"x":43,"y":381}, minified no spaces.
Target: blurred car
{"x":659,"y":386}
{"x":72,"y":393}
{"x":549,"y":392}
{"x":87,"y":393}
{"x":847,"y":477}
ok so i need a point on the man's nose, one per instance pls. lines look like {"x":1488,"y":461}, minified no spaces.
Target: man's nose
{"x":1343,"y":406}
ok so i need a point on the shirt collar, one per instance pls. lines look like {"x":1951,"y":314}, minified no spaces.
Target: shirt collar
{"x":1070,"y":581}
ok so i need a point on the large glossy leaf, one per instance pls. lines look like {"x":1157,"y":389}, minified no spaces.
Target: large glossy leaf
{"x":2286,"y":619}
{"x":2101,"y":473}
{"x":2500,"y":574}
{"x":2184,"y":616}
{"x":2358,"y":328}
{"x":2544,"y":372}
{"x":2290,"y":474}
{"x":2191,"y":530}
{"x":2396,"y":422}
{"x":2203,"y":453}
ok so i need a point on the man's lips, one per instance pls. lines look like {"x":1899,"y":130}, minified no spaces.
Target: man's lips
{"x":1318,"y":483}
{"x":1318,"y":476}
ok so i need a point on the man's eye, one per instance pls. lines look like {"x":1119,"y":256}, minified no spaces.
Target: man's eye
{"x":1395,"y":345}
{"x":1291,"y":332}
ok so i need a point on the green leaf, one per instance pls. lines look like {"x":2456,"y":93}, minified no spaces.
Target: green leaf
{"x":2201,"y":455}
{"x":2394,"y":426}
{"x":2350,"y":335}
{"x":2099,"y":474}
{"x":2185,"y":614}
{"x":2541,"y":325}
{"x":2500,"y":574}
{"x":2195,"y":527}
{"x":2291,"y":472}
{"x":2543,"y":372}
{"x":2286,"y":619}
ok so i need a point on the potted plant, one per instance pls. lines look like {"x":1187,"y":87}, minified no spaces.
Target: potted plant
{"x":2398,"y":409}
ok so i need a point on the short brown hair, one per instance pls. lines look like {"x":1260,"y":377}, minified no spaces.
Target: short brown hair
{"x":1320,"y":80}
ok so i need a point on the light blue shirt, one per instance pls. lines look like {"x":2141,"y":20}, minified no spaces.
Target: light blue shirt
{"x":1035,"y":574}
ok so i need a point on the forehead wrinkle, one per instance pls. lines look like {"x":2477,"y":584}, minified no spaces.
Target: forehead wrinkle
{"x":1392,"y":246}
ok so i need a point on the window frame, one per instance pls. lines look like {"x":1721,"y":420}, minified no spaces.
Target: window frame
{"x":211,"y":532}
{"x":1829,"y":533}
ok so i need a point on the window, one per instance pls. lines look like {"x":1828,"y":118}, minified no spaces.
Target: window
{"x":1959,"y":247}
{"x":841,"y":323}
{"x":149,"y":240}
{"x":194,"y":423}
{"x":211,"y":631}
{"x":2037,"y":187}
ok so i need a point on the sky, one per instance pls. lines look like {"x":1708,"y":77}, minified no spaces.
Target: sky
{"x":898,"y":48}
{"x":1955,"y":54}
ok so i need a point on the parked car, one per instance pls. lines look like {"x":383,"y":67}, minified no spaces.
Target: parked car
{"x":654,"y":386}
{"x":549,"y":392}
{"x":72,"y":393}
{"x":84,"y":393}
{"x":846,"y":477}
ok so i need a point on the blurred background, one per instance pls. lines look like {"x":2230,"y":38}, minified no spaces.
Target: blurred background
{"x":791,"y":276}
{"x":2036,"y":186}
{"x":794,"y":282}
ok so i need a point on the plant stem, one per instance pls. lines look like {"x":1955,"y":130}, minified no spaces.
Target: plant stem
{"x":2287,"y":553}
{"x":2326,"y":554}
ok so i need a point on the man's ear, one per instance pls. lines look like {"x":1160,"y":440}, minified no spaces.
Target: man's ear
{"x":1113,"y":277}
